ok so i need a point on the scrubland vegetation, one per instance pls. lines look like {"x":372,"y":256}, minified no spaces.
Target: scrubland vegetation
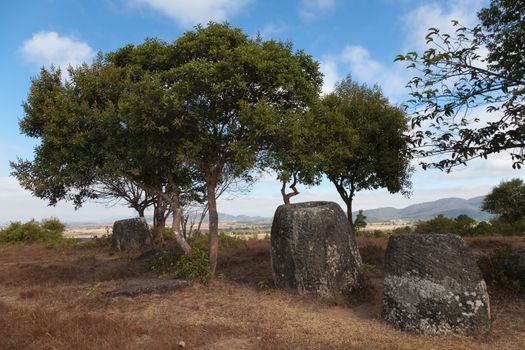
{"x":56,"y":297}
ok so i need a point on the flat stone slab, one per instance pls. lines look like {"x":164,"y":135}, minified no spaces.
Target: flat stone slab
{"x":433,"y":286}
{"x":314,"y":250}
{"x":136,"y":288}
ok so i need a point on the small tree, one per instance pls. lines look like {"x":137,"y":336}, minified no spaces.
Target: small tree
{"x":439,"y":224}
{"x":507,"y":201}
{"x":464,"y":224}
{"x":363,"y":142}
{"x":360,"y":220}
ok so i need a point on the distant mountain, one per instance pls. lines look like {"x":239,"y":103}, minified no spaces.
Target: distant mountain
{"x":239,"y":219}
{"x":450,"y":207}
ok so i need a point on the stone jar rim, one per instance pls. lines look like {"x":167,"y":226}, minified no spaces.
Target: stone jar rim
{"x":309,"y":205}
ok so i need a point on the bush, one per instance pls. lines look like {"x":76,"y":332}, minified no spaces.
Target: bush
{"x":504,"y":269}
{"x":168,"y":234}
{"x":403,"y":230}
{"x":193,"y":265}
{"x":373,"y":255}
{"x":46,"y":231}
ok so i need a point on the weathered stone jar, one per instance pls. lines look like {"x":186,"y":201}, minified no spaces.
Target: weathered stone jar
{"x":314,"y":250}
{"x":433,"y":286}
{"x":130,"y":234}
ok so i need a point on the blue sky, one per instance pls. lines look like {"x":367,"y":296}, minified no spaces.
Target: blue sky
{"x":347,"y":37}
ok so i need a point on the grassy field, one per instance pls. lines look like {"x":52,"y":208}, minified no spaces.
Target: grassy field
{"x":54,"y":298}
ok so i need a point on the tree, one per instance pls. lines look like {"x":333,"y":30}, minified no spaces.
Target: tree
{"x":464,"y":224}
{"x":466,"y":104}
{"x":363,"y":142}
{"x":360,"y":220}
{"x":440,"y":224}
{"x":507,"y":201}
{"x":291,"y":145}
{"x":113,"y":119}
{"x":223,"y":80}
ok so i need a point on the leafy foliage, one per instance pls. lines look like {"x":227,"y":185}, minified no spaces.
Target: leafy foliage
{"x":364,"y":141}
{"x":360,"y":220}
{"x":507,"y":200}
{"x":193,"y":265}
{"x":466,"y":104}
{"x":46,"y":231}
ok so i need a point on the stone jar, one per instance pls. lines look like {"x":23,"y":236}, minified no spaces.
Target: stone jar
{"x":314,"y":250}
{"x":433,"y":286}
{"x":130,"y":234}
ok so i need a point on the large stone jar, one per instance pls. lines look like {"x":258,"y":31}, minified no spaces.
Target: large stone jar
{"x":131,"y":234}
{"x":433,"y":286}
{"x":314,"y":250}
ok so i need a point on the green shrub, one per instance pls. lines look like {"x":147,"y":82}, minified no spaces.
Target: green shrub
{"x":168,"y":234}
{"x":104,"y":241}
{"x":403,"y":230}
{"x":502,"y":269}
{"x":193,"y":265}
{"x":163,"y":263}
{"x":53,"y":225}
{"x":372,"y":255}
{"x":47,"y":231}
{"x":368,"y":233}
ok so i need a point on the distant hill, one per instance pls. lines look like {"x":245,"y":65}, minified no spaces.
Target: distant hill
{"x":239,"y":219}
{"x":450,"y":207}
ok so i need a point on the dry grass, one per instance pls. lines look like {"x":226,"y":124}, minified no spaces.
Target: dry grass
{"x":54,"y":299}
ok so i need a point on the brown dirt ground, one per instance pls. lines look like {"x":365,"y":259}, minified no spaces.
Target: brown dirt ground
{"x":54,"y":298}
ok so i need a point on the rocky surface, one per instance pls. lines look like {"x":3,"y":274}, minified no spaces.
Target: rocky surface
{"x":313,"y":250}
{"x":149,"y":286}
{"x":433,"y":286}
{"x":131,"y":234}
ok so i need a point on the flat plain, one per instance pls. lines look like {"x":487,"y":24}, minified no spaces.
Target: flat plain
{"x":56,"y":298}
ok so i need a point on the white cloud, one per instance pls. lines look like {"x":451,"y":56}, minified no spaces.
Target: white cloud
{"x":328,"y":67}
{"x":273,"y":30}
{"x":191,"y":12}
{"x":49,"y":48}
{"x":312,"y":9}
{"x":417,"y":22}
{"x":357,"y":61}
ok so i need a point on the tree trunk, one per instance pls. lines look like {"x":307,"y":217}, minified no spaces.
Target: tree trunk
{"x":287,"y":196}
{"x":349,"y":213}
{"x":175,"y":226}
{"x":141,"y":212}
{"x":159,"y":222}
{"x":201,"y":218}
{"x":213,"y":230}
{"x":347,"y":198}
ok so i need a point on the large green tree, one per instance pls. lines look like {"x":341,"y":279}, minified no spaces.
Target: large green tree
{"x":224,"y":79}
{"x":114,"y":119}
{"x":363,"y":142}
{"x":170,"y":117}
{"x":468,"y":94}
{"x":507,"y":201}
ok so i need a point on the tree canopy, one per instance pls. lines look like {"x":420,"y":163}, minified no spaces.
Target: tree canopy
{"x":173,"y":118}
{"x":507,"y":201}
{"x":468,"y":94}
{"x":363,"y":142}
